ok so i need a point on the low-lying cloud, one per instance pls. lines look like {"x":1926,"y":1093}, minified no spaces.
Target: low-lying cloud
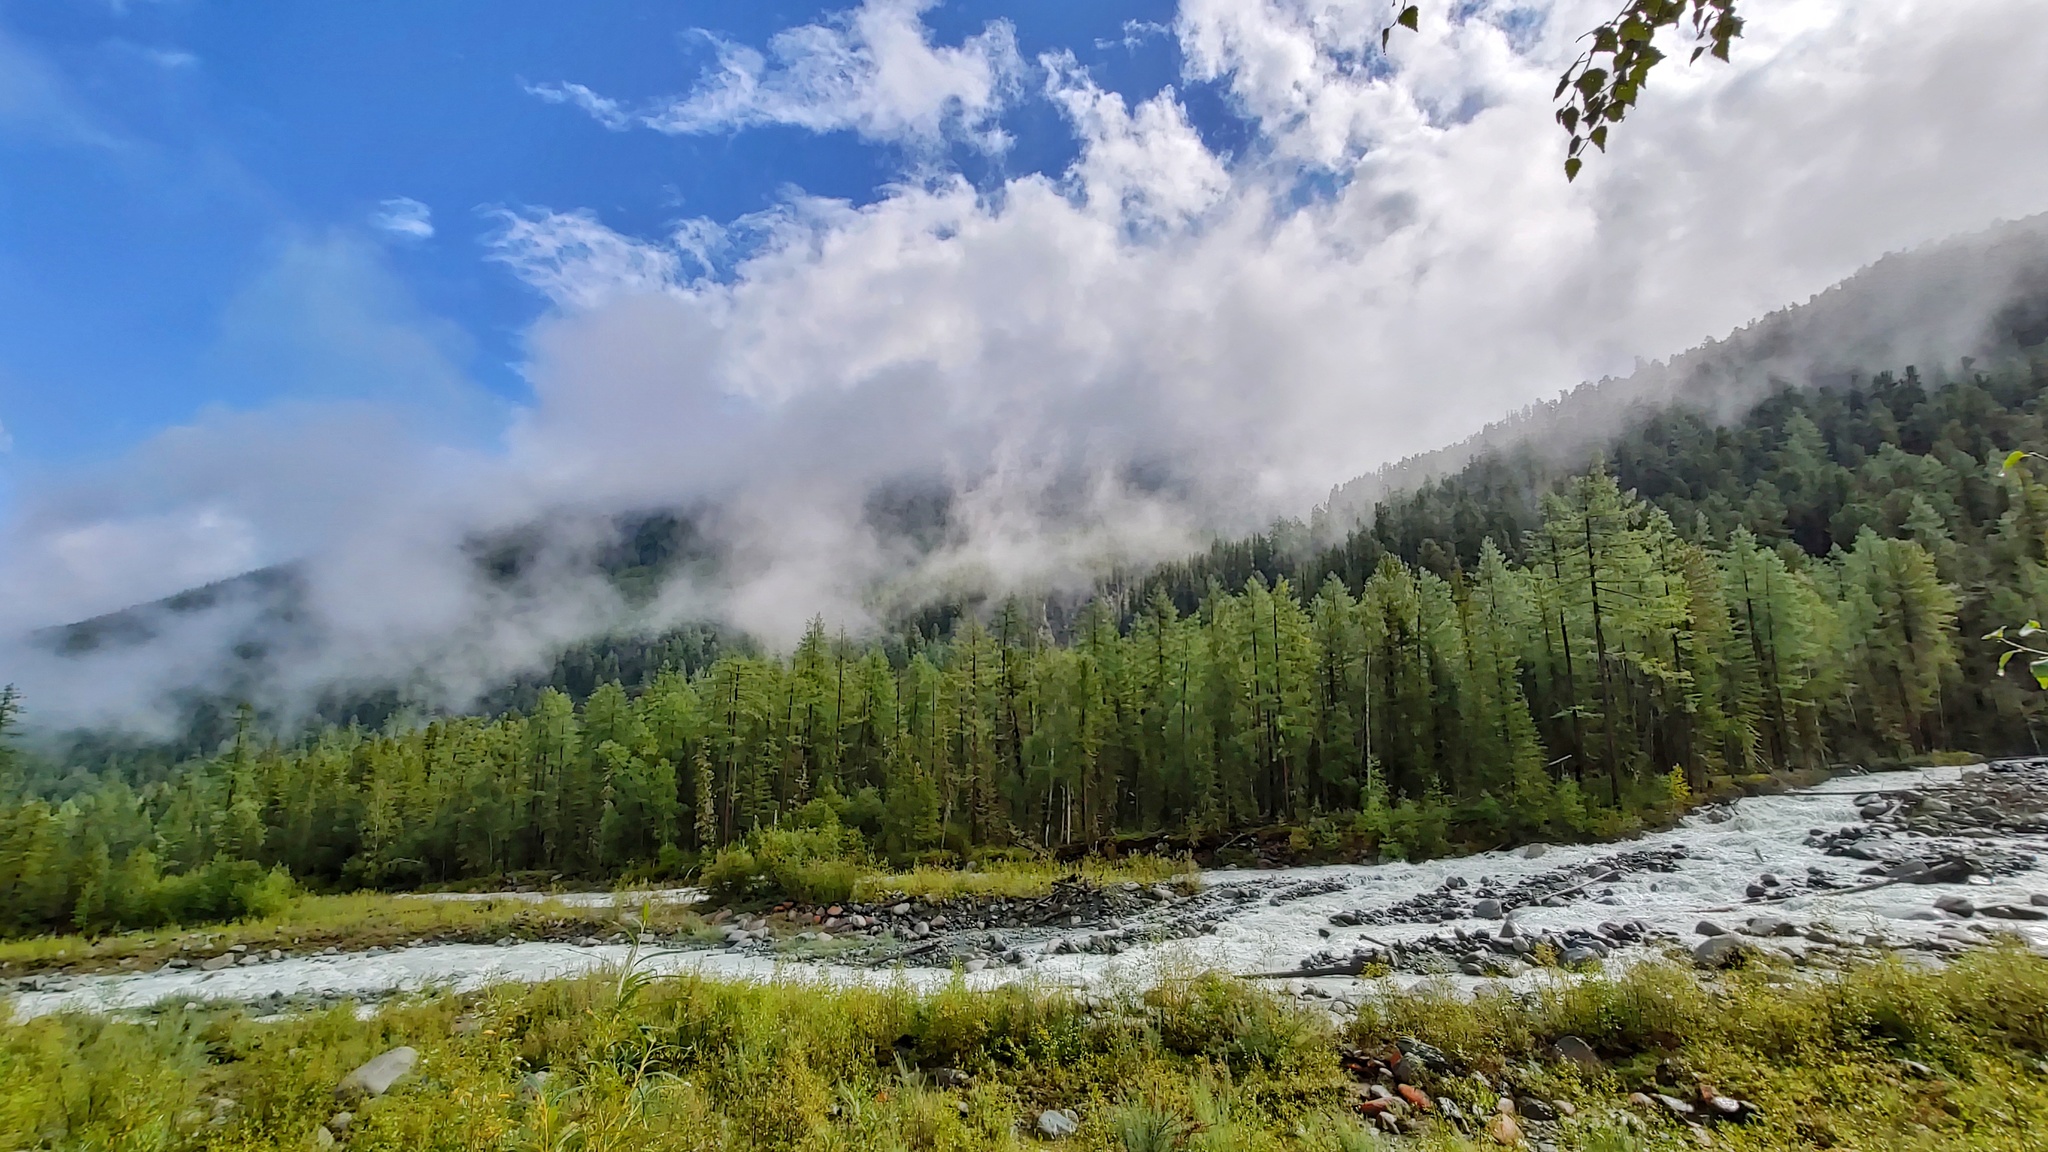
{"x":1105,"y":364}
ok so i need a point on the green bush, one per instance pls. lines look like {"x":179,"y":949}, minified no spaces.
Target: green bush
{"x":223,"y":890}
{"x":812,"y":865}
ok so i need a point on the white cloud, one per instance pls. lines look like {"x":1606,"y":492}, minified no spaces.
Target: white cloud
{"x":1197,"y":320}
{"x":1136,"y":33}
{"x":873,"y":70}
{"x":1151,"y":166}
{"x":170,"y":59}
{"x":576,"y":261}
{"x":1107,"y":363}
{"x":404,"y":216}
{"x":605,"y":111}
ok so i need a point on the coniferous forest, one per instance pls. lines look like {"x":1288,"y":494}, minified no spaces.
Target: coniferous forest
{"x":1523,"y":649}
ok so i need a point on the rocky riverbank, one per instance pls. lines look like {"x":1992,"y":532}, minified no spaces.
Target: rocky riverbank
{"x":1910,"y":862}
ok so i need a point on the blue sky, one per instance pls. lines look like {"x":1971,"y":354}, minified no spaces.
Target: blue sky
{"x":162,"y":156}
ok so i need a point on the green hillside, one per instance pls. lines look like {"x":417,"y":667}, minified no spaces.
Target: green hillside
{"x":1517,"y":650}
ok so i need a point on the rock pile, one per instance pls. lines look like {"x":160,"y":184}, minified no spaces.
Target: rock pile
{"x":1507,"y":951}
{"x":1458,"y":899}
{"x":979,"y":932}
{"x":1409,"y":1087}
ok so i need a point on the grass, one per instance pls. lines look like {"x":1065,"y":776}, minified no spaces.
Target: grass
{"x":352,"y":922}
{"x":360,"y":920}
{"x":1021,"y":879}
{"x":1825,"y":1060}
{"x":1200,"y":1063}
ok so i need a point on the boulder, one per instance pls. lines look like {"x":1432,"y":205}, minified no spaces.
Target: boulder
{"x":1960,"y":905}
{"x":1709,"y":928}
{"x":1770,"y":926}
{"x":1576,"y":1051}
{"x":1719,"y":951}
{"x":1950,"y":871}
{"x":1427,"y":1055}
{"x":1504,"y":1130}
{"x":1058,"y":1123}
{"x":1487,"y":909}
{"x":1718,"y":1107}
{"x":1672,"y":1104}
{"x":376,"y":1076}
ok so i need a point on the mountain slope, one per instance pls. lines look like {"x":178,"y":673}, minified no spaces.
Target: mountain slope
{"x":1970,"y":305}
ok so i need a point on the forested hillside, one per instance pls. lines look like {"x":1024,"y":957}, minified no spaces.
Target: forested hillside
{"x":1504,"y":654}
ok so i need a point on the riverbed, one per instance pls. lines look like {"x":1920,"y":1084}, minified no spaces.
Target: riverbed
{"x":1661,"y":885}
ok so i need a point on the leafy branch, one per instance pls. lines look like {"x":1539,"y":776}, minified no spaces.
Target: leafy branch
{"x":2013,"y":639}
{"x":2016,"y":639}
{"x":1607,"y":79}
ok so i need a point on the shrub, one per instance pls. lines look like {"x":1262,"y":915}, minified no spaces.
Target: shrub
{"x":815,"y":865}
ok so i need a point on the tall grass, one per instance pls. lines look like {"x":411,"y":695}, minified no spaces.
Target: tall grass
{"x":1829,"y":1061}
{"x":1202,"y":1063}
{"x":351,"y":921}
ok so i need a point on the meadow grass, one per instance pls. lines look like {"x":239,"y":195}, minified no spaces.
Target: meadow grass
{"x":1198,"y":1062}
{"x":352,"y":921}
{"x":359,"y":920}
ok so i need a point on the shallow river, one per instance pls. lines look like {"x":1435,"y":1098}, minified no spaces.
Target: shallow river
{"x":1722,"y":857}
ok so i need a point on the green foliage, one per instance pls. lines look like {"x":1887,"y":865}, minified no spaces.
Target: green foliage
{"x":1607,"y":79}
{"x":1237,"y":1025}
{"x":815,"y":865}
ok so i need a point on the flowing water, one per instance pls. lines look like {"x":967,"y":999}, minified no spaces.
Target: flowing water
{"x":1264,"y":921}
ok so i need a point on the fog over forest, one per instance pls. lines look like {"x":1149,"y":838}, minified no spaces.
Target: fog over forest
{"x":975,"y":385}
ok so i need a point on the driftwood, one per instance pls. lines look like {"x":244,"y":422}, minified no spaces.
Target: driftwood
{"x":1603,"y":878}
{"x":1349,"y":966}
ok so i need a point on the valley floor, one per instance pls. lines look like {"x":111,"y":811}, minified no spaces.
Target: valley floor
{"x":1879,"y":983}
{"x":1576,"y":905}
